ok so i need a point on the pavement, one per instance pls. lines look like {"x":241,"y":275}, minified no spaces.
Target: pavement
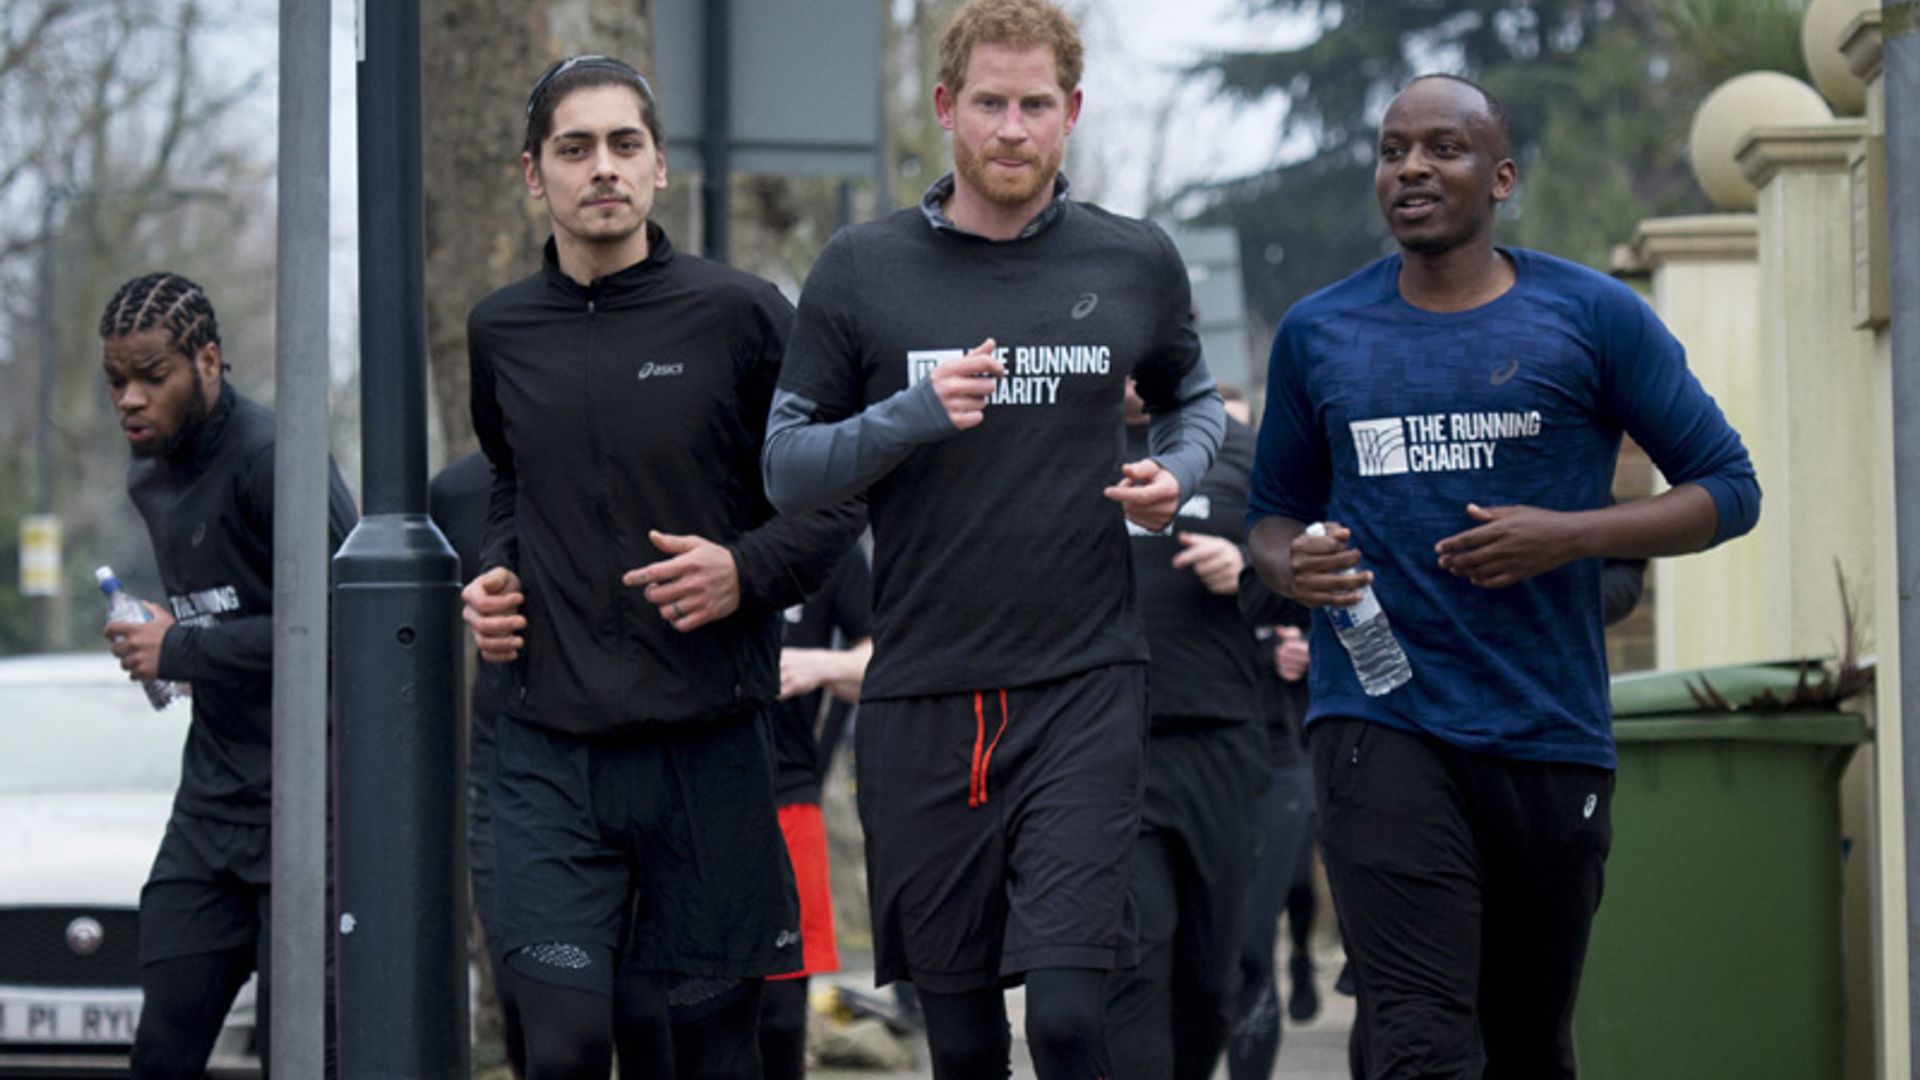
{"x":1315,"y":1050}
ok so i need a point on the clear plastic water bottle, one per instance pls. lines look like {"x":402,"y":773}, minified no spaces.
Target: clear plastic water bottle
{"x":122,"y":607}
{"x":1363,"y":628}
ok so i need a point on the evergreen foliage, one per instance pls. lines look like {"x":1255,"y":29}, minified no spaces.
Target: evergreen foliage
{"x":1602,"y":93}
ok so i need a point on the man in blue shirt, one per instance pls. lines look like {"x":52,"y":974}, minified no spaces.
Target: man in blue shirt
{"x":1453,"y":413}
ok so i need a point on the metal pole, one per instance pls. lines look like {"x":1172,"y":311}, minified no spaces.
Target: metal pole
{"x":716,"y":146}
{"x":393,"y":270}
{"x":47,"y":628}
{"x":1900,"y":64}
{"x":401,"y":932}
{"x":297,"y":1023}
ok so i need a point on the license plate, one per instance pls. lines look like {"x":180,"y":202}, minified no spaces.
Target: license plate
{"x":103,"y":1017}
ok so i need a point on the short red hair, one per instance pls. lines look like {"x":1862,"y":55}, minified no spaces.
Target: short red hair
{"x":1018,"y":24}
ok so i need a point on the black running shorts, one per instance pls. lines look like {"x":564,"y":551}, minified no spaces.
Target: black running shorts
{"x":663,"y":846}
{"x":999,"y":825}
{"x":208,"y":891}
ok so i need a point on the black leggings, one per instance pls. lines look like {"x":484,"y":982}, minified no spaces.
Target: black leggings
{"x":186,"y":1001}
{"x":1285,"y":812}
{"x":968,"y":1037}
{"x":573,"y":1034}
{"x":783,"y":1029}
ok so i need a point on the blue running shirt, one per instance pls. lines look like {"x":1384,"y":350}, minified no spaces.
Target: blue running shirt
{"x":1390,"y":419}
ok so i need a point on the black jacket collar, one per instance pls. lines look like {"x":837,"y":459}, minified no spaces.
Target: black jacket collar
{"x":623,"y":282}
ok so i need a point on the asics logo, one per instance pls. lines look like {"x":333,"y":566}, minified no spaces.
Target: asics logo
{"x":1086,"y":305}
{"x":1501,"y":375}
{"x":650,"y":370}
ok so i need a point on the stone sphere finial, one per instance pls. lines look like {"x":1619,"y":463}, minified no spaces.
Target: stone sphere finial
{"x":1734,"y":108}
{"x":1820,"y":31}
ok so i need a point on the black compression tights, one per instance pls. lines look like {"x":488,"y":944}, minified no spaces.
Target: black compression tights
{"x":572,"y":1034}
{"x":187,"y":999}
{"x":783,"y":1029}
{"x":968,"y":1037}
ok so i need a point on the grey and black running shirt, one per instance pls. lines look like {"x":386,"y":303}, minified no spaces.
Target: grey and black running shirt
{"x":998,"y":561}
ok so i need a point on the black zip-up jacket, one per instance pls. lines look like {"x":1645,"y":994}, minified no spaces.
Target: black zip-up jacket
{"x":638,"y":402}
{"x":209,"y":511}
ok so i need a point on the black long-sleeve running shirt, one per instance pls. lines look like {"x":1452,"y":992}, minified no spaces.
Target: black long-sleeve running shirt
{"x":998,"y":559}
{"x":209,"y":512}
{"x":637,"y":402}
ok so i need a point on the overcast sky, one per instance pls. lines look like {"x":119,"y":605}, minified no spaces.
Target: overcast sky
{"x":1136,"y":50}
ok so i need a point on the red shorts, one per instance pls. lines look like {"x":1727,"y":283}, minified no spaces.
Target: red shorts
{"x":806,"y":833}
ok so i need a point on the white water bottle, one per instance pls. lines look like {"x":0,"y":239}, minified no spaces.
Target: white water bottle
{"x":124,"y":608}
{"x":1363,"y":628}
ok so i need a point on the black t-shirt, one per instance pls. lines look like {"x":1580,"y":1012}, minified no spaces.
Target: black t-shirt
{"x":844,"y":606}
{"x":1203,"y":666}
{"x":997,"y":559}
{"x":209,"y":511}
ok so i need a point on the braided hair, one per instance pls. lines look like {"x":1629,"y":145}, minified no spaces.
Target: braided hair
{"x":163,"y":299}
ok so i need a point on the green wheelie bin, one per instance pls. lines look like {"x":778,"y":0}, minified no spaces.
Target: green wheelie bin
{"x":1716,"y":952}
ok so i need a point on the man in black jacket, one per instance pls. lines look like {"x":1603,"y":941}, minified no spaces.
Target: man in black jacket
{"x":202,"y":478}
{"x":633,"y":576}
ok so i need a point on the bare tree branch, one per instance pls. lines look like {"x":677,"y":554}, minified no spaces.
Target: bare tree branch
{"x":17,"y":51}
{"x":177,"y":112}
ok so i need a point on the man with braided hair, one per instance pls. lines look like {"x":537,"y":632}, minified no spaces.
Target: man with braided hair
{"x":202,"y":478}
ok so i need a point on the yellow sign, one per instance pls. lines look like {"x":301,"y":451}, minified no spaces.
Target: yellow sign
{"x":40,"y":555}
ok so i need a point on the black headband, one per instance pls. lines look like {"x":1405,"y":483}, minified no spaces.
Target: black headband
{"x":586,"y":60}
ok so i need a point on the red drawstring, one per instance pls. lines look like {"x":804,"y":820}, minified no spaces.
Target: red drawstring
{"x":977,"y":783}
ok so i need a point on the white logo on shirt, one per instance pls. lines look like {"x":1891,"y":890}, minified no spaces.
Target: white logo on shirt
{"x":1437,"y":442}
{"x":921,"y":362}
{"x":201,"y":608}
{"x":1381,"y":446}
{"x":1034,"y":372}
{"x":651,"y":370}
